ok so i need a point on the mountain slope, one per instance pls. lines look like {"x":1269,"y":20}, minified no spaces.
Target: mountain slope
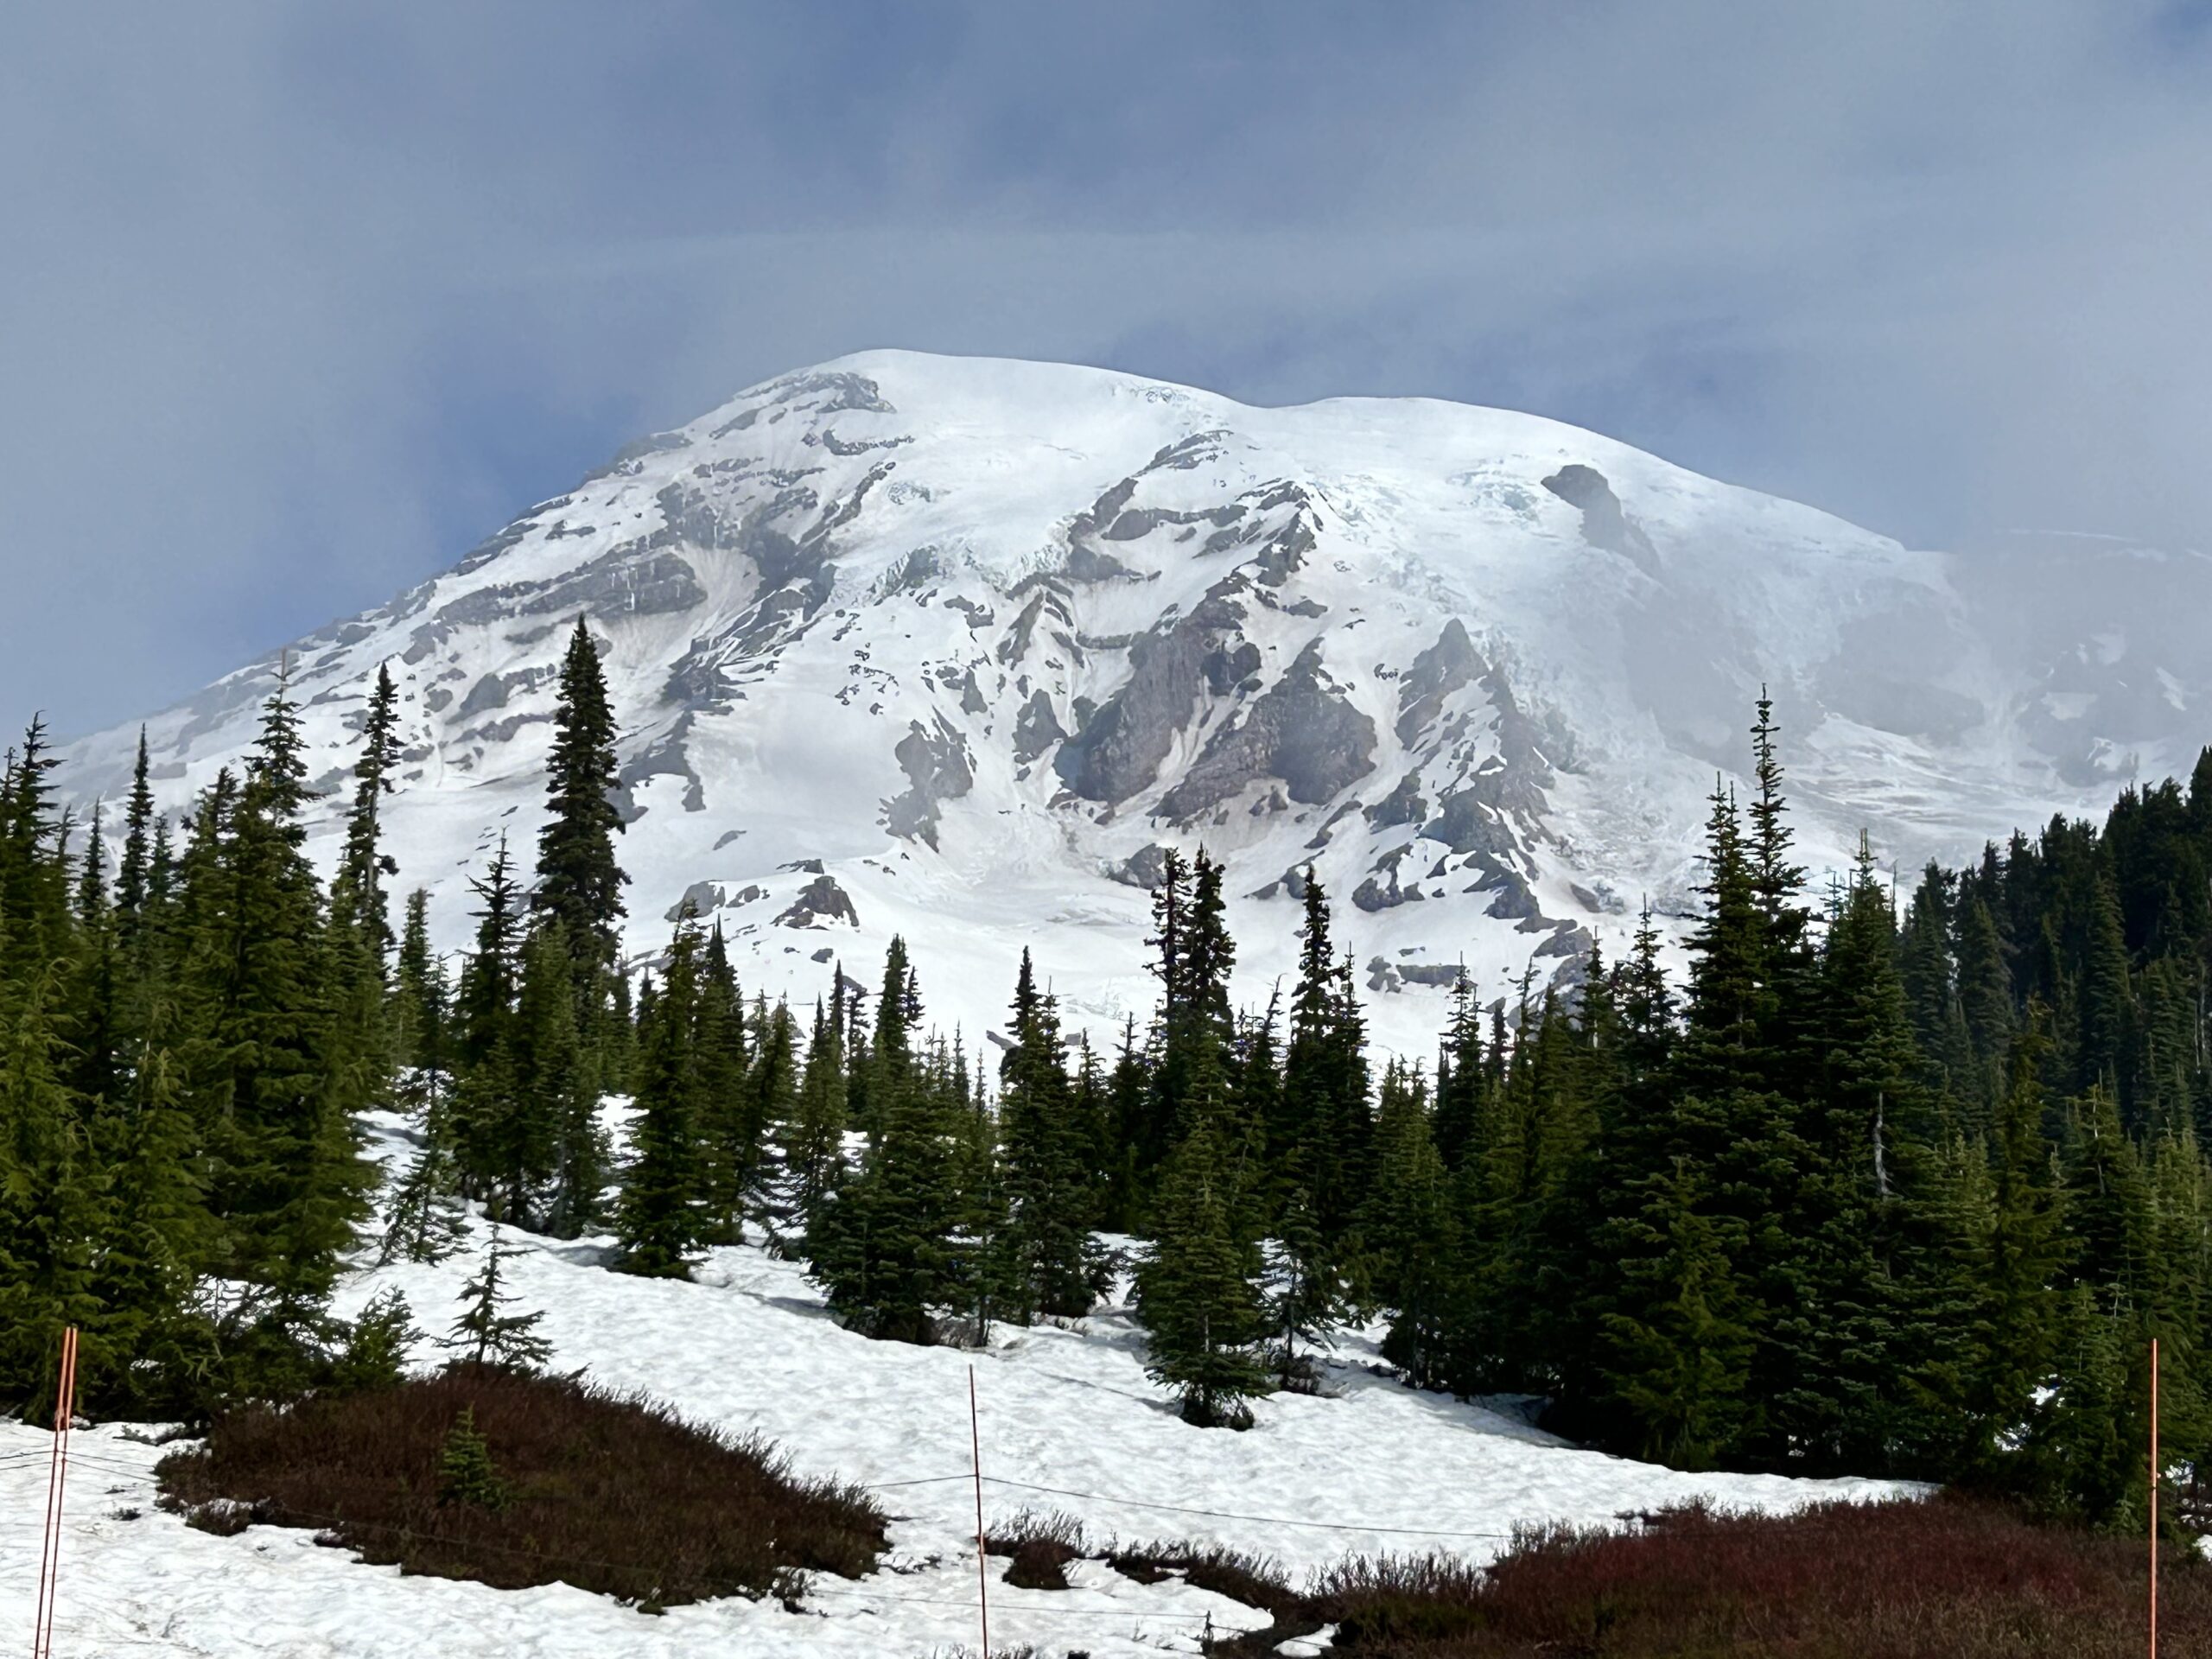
{"x":952,"y":647}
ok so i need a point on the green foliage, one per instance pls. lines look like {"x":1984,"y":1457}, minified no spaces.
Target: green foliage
{"x":1196,"y":1292}
{"x":880,"y":1242}
{"x":465,"y":1474}
{"x":1048,"y":1152}
{"x":377,"y":1345}
{"x":578,"y":881}
{"x":661,"y":1219}
{"x":483,"y":1333}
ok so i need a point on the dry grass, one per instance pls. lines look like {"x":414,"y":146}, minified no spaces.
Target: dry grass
{"x":1041,"y":1544}
{"x":609,"y":1494}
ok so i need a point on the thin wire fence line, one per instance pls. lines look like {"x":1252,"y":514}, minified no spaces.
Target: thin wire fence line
{"x":809,"y":1590}
{"x":1232,"y":1515}
{"x":1019,"y":1606}
{"x":1184,"y":1509}
{"x":110,"y":1467}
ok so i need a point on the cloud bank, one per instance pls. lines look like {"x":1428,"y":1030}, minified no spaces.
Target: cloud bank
{"x":300,"y":302}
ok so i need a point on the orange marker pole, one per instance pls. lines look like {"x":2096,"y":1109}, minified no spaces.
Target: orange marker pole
{"x":57,"y":1481}
{"x":982,"y":1561}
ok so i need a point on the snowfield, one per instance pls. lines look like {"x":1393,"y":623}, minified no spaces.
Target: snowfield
{"x":951,"y":647}
{"x":1068,"y":1421}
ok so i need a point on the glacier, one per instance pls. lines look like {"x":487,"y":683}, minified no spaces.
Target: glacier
{"x":954,"y":647}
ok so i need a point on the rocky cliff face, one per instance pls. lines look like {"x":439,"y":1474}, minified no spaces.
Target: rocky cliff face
{"x":955,"y":648}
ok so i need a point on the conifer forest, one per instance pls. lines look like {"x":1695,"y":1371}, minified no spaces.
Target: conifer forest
{"x":1877,"y":1177}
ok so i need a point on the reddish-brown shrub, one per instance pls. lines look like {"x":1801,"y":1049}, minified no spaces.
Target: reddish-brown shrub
{"x":1942,"y":1579}
{"x":610,"y":1494}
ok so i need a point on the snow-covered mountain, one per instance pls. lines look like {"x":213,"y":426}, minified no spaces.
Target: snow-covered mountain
{"x":952,"y":647}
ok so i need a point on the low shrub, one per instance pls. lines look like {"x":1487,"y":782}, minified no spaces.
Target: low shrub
{"x":1040,"y":1545}
{"x":1254,"y":1580}
{"x":610,"y":1494}
{"x":1942,"y":1579}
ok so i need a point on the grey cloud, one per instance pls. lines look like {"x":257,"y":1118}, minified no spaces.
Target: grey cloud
{"x":298,"y":303}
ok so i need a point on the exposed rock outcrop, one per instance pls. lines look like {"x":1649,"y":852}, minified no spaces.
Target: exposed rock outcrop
{"x":1302,"y":730}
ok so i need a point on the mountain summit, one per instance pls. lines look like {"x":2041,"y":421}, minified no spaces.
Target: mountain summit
{"x":955,"y":647}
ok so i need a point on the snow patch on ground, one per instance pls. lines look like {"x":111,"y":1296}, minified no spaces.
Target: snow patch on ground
{"x":1068,"y":1421}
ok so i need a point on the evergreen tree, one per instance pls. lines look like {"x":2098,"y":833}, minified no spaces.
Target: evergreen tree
{"x":51,"y":1198}
{"x":879,"y":1243}
{"x":134,"y":874}
{"x":1196,"y":1292}
{"x":357,"y":896}
{"x":1048,"y":1189}
{"x":660,"y":1222}
{"x":1678,"y":1363}
{"x":487,"y":1104}
{"x":465,"y":1473}
{"x":483,"y":1332}
{"x":810,"y":1145}
{"x":1410,"y":1226}
{"x":419,"y":991}
{"x":288,"y":1182}
{"x":555,"y":1154}
{"x":730,"y":1122}
{"x":578,"y":880}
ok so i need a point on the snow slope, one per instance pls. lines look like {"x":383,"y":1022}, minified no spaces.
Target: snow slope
{"x":749,"y":1346}
{"x":951,"y":647}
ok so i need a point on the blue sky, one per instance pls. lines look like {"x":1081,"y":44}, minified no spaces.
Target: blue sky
{"x":298,"y":302}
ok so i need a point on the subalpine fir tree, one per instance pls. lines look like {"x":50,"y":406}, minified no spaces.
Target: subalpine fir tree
{"x":94,"y":1013}
{"x":771,"y":1096}
{"x":1130,"y":1112}
{"x":558,"y":1154}
{"x":1678,"y":1349}
{"x":156,"y":1229}
{"x":487,"y":1104}
{"x":1307,"y":1288}
{"x":1929,"y":969}
{"x":880,"y":1244}
{"x":1985,"y":1003}
{"x":1197,"y":1293}
{"x":1865,"y":1130}
{"x":35,"y":925}
{"x":290,"y":1183}
{"x":2026,"y":1246}
{"x":134,"y":871}
{"x":483,"y":1332}
{"x":2106,"y":999}
{"x":424,"y":1219}
{"x":1461,"y":1083}
{"x":659,"y":1222}
{"x":418,"y":991}
{"x":52,"y":1198}
{"x":1322,"y":1139}
{"x":377,"y":1345}
{"x":361,"y":1056}
{"x":729,"y":1117}
{"x":356,"y":898}
{"x":809,"y":1146}
{"x":465,"y":1473}
{"x":2108,"y":1204}
{"x":1410,"y":1229}
{"x":1048,"y":1189}
{"x":578,"y":880}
